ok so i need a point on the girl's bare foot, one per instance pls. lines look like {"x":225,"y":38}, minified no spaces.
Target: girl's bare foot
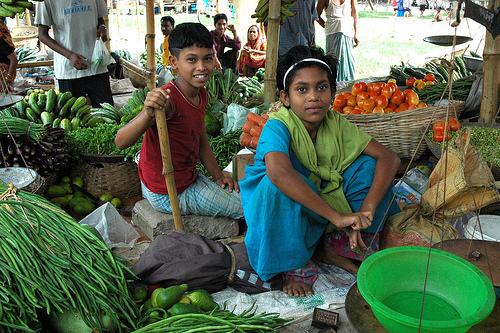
{"x":326,"y":255}
{"x":297,"y":289}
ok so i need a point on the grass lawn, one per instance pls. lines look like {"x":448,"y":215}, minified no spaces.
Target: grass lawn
{"x":377,"y":50}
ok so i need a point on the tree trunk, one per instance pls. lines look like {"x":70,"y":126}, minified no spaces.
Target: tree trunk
{"x":491,"y":88}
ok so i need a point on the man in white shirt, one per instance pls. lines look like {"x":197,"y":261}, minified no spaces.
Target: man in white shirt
{"x":76,"y":25}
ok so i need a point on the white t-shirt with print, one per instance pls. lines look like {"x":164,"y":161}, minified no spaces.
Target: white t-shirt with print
{"x":74,"y":24}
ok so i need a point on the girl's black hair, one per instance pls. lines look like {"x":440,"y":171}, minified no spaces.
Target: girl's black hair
{"x":298,"y":53}
{"x":168,"y":19}
{"x":220,"y":16}
{"x":187,"y":35}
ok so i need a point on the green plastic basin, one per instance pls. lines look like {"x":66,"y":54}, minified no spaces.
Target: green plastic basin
{"x":458,"y":295}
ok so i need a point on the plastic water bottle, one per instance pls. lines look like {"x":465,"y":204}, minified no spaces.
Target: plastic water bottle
{"x":418,"y":177}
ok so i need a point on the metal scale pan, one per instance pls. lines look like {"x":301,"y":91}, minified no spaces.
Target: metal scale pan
{"x":9,"y":100}
{"x":447,"y":40}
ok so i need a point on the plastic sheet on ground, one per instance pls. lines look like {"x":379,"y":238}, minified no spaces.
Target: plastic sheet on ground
{"x":330,"y":290}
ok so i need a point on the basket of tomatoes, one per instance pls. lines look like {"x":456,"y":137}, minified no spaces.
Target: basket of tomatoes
{"x":392,"y":116}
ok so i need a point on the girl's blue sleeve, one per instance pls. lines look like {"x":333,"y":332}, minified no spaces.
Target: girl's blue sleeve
{"x":274,"y":138}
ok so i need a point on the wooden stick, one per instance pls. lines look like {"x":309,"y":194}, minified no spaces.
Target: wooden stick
{"x":168,"y":169}
{"x":161,"y":121}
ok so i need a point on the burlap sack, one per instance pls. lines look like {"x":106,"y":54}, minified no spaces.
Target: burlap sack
{"x":460,"y":183}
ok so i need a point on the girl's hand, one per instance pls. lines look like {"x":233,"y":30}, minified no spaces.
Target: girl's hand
{"x":355,"y":239}
{"x":230,"y":182}
{"x":356,"y":221}
{"x":156,"y":99}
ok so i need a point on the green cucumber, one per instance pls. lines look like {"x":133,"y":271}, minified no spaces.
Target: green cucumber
{"x":66,"y":107}
{"x":79,"y":102}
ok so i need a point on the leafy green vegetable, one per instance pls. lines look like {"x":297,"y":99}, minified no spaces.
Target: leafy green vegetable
{"x":485,"y":140}
{"x":224,"y":148}
{"x":99,"y":140}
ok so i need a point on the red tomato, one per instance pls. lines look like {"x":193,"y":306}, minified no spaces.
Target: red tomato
{"x":351,"y":101}
{"x":340,"y":101}
{"x":356,"y":111}
{"x":389,"y":110}
{"x":378,"y":109}
{"x":347,"y":109}
{"x":378,"y":87}
{"x":404,"y":105}
{"x":382,"y":101}
{"x":393,"y":86}
{"x":422,"y":105}
{"x":373,"y":95}
{"x":440,"y":136}
{"x":386,"y":91}
{"x":412,"y":98}
{"x":363,"y":86}
{"x":441,"y":126}
{"x":430,"y":77}
{"x":369,"y":104}
{"x":412,"y":107}
{"x":336,"y":108}
{"x":357,"y":88}
{"x":410,"y":81}
{"x":392,"y":106}
{"x":362,"y":95}
{"x":347,"y":94}
{"x":454,"y":124}
{"x":398,"y":97}
{"x":369,"y":87}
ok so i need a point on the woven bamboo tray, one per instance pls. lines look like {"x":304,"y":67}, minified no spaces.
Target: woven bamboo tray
{"x":401,"y":131}
{"x":436,"y":150}
{"x":121,"y":179}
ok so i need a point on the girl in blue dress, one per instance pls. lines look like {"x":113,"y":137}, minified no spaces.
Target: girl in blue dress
{"x":318,"y":183}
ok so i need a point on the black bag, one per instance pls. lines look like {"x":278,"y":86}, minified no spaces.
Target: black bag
{"x":182,"y":257}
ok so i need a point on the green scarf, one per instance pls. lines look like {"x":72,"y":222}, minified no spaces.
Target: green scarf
{"x":338,"y":144}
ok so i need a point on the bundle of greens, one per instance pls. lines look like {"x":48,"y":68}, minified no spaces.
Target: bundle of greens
{"x":99,"y":140}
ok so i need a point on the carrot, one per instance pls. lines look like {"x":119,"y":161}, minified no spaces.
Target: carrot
{"x":248,"y":125}
{"x":254,"y":142}
{"x":253,"y":117}
{"x":265,"y":116}
{"x":262,"y":122}
{"x":255,"y":131}
{"x":245,"y":139}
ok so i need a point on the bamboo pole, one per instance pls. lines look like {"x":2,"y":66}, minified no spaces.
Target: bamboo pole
{"x":162,"y":8}
{"x":161,"y":121}
{"x":18,"y":22}
{"x":138,"y":23}
{"x":108,"y":42}
{"x":491,"y":86}
{"x":273,"y":33}
{"x":117,"y":17}
{"x":28,"y":17}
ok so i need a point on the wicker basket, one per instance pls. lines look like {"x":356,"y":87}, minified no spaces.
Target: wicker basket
{"x":401,"y":131}
{"x":436,"y":150}
{"x":25,"y":35}
{"x":121,"y":179}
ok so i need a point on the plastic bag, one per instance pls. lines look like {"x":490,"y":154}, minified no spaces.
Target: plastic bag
{"x":165,"y":75}
{"x":236,"y":117}
{"x":115,"y":231}
{"x":100,"y":56}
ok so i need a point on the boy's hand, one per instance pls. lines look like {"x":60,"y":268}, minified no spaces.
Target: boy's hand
{"x":355,"y":239}
{"x":156,"y":99}
{"x":78,"y":61}
{"x":232,"y":28}
{"x":230,"y":182}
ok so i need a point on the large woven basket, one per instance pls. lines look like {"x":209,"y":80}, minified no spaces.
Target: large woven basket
{"x":121,"y":179}
{"x":401,"y":131}
{"x":25,"y":35}
{"x":437,"y":151}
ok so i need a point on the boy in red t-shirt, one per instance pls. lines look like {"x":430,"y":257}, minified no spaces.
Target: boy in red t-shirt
{"x":184,"y":100}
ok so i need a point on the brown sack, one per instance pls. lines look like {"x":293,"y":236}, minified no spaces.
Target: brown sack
{"x":460,"y":183}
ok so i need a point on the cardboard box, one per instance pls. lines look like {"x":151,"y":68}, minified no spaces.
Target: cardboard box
{"x":239,"y":164}
{"x":406,"y":194}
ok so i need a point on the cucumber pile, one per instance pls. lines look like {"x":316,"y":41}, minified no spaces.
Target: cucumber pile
{"x":134,"y":105}
{"x":9,"y":8}
{"x":25,"y":53}
{"x":52,"y":108}
{"x":438,"y":67}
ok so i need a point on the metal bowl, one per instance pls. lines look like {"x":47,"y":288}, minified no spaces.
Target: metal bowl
{"x":447,"y":40}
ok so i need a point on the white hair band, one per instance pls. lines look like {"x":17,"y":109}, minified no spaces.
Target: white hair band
{"x":304,"y":60}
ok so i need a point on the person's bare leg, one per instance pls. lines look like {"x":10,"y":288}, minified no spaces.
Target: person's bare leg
{"x":326,"y":255}
{"x":297,"y":289}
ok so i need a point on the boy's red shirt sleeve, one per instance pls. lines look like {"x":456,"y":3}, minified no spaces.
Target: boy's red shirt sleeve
{"x":185,"y":127}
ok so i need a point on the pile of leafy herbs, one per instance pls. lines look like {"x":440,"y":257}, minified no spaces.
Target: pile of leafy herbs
{"x":99,"y":140}
{"x":224,"y":146}
{"x":485,"y":140}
